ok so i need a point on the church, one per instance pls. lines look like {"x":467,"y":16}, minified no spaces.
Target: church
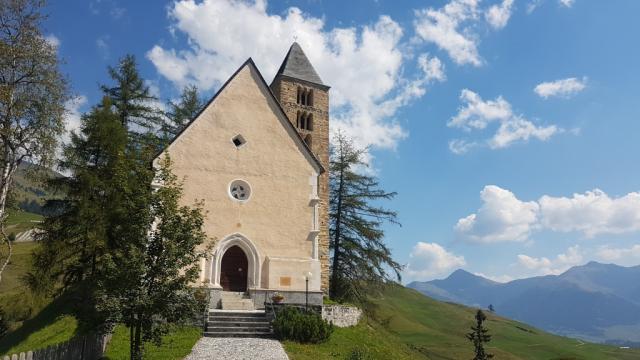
{"x":258,"y":155}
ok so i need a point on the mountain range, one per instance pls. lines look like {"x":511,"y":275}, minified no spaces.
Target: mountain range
{"x":595,"y":302}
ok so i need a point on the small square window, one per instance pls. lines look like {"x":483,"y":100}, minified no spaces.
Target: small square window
{"x":238,"y":141}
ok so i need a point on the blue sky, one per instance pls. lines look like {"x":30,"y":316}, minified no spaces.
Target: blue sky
{"x":508,"y":127}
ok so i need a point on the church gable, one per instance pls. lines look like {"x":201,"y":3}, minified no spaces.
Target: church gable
{"x":246,"y":86}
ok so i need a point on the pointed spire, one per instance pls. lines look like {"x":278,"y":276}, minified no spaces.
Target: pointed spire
{"x":296,"y":65}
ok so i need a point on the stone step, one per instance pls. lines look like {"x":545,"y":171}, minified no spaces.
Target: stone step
{"x":237,"y":329}
{"x":226,"y":334}
{"x":239,"y":313}
{"x":233,"y":295}
{"x":239,"y":323}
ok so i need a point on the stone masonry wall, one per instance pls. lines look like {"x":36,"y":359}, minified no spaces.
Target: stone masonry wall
{"x":286,"y":90}
{"x":341,"y":316}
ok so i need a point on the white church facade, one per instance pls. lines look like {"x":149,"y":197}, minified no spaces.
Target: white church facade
{"x":257,"y":154}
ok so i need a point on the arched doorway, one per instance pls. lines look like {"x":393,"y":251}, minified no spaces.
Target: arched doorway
{"x":233,"y":270}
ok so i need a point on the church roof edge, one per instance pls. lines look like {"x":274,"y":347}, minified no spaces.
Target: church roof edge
{"x":247,"y":62}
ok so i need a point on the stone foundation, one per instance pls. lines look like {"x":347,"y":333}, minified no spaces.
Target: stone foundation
{"x":260,"y":296}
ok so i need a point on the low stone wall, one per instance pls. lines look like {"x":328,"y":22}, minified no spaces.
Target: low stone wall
{"x":341,"y":315}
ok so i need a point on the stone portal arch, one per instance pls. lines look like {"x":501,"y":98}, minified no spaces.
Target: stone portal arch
{"x":249,"y":249}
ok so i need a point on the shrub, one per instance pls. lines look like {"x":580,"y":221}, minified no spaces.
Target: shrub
{"x":300,"y":326}
{"x":359,"y":353}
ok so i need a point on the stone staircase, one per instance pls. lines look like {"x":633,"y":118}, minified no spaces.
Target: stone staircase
{"x":237,"y":318}
{"x":238,"y":323}
{"x":236,"y":301}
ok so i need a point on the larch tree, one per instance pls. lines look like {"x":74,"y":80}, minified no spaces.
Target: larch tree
{"x":74,"y":239}
{"x":180,"y":113}
{"x":360,"y":260}
{"x":479,"y":336}
{"x":33,"y":93}
{"x":132,"y":98}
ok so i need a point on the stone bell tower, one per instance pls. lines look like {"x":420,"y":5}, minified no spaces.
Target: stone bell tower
{"x":305,"y":100}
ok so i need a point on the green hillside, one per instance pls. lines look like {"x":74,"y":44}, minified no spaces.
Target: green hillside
{"x":415,"y":326}
{"x":29,"y":191}
{"x":405,"y":325}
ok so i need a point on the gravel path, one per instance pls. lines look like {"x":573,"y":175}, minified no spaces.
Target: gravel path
{"x":237,"y":349}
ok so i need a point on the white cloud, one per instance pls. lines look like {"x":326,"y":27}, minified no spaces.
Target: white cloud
{"x":432,"y":67}
{"x":73,"y":116}
{"x":53,"y":40}
{"x":624,"y":256}
{"x":477,"y":114}
{"x":567,"y":3}
{"x":533,"y":5}
{"x":496,"y":278}
{"x":103,"y":46}
{"x":459,"y":147}
{"x":546,"y":266}
{"x":445,"y":28}
{"x":561,"y":88}
{"x":430,"y":260}
{"x":498,"y":15}
{"x":501,"y":218}
{"x":364,"y":98}
{"x":592,"y":213}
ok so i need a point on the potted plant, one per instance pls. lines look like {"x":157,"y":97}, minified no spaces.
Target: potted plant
{"x":277,"y":298}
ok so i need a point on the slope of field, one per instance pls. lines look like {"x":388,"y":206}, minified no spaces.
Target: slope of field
{"x":437,"y":329}
{"x":417,"y":326}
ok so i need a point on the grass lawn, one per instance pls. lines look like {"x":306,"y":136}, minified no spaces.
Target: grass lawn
{"x":370,"y":339}
{"x":175,"y":345}
{"x":59,"y":329}
{"x":19,"y":265}
{"x":19,"y":221}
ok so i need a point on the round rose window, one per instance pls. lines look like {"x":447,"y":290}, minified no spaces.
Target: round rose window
{"x":240,"y":190}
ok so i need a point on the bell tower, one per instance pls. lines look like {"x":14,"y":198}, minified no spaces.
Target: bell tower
{"x":305,"y":100}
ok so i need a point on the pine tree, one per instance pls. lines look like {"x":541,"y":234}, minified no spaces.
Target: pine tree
{"x":360,"y":259}
{"x":131,"y":97}
{"x":479,"y":336}
{"x":182,"y":112}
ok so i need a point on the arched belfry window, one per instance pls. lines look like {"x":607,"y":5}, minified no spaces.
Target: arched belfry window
{"x":300,"y":94}
{"x":309,"y":98}
{"x":309,"y":122}
{"x":304,"y":120}
{"x":304,"y":96}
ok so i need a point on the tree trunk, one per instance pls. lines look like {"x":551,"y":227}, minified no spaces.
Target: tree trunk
{"x":5,"y":185}
{"x":138,"y":344}
{"x":333,"y":285}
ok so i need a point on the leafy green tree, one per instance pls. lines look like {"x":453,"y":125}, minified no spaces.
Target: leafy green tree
{"x":131,"y":97}
{"x":360,"y":259}
{"x":74,"y":240}
{"x":32,"y":96}
{"x":155,"y":256}
{"x":182,"y":112}
{"x":479,"y":336}
{"x":491,"y":308}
